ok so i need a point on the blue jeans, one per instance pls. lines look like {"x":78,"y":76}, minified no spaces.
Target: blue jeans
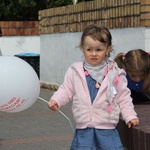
{"x":96,"y":139}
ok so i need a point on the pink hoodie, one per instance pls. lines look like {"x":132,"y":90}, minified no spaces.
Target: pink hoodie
{"x":96,"y":114}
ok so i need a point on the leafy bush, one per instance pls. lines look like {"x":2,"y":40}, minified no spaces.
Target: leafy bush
{"x":20,"y":10}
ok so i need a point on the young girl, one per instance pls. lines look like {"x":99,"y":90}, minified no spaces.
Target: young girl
{"x":99,"y":93}
{"x":137,"y":65}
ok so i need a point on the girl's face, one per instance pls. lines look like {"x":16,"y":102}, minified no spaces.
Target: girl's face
{"x":94,"y":51}
{"x":137,"y":77}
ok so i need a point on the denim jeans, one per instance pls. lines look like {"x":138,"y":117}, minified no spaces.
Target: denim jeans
{"x":96,"y":139}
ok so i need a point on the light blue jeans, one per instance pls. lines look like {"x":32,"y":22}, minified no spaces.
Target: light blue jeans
{"x":96,"y":139}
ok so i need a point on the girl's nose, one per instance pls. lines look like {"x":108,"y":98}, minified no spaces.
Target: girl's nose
{"x":93,"y":52}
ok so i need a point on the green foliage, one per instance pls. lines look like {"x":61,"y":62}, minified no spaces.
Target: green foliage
{"x":58,"y":3}
{"x":11,"y":10}
{"x":19,"y":10}
{"x":84,"y":1}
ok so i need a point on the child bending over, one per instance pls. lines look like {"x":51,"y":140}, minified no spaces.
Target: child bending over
{"x":136,"y":63}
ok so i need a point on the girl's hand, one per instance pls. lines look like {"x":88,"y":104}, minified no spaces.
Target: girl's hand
{"x":53,"y":105}
{"x":133,"y":122}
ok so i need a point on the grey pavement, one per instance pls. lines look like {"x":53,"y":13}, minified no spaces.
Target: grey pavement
{"x":36,"y":128}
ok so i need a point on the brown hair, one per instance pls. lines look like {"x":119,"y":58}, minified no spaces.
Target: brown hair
{"x":136,"y":61}
{"x":99,"y":33}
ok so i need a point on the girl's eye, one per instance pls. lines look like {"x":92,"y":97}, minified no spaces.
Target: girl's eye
{"x":89,"y":49}
{"x":98,"y":49}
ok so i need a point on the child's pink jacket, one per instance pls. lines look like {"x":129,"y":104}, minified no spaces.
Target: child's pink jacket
{"x":96,"y":115}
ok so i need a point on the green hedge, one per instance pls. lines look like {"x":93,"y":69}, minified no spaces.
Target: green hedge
{"x":20,"y":10}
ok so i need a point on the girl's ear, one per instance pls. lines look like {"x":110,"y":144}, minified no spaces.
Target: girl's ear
{"x":109,"y":49}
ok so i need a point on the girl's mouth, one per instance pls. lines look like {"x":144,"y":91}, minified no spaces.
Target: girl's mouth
{"x":94,"y":58}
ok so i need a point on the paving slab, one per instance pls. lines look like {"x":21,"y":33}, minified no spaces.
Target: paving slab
{"x":37,"y":128}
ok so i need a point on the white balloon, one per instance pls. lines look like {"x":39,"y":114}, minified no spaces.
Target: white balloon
{"x":19,"y":84}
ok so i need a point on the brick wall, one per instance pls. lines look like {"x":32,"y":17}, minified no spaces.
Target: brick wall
{"x":74,"y":18}
{"x":137,"y":138}
{"x":110,"y":13}
{"x":18,"y":28}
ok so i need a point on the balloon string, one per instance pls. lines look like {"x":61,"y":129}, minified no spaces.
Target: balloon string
{"x":59,"y":112}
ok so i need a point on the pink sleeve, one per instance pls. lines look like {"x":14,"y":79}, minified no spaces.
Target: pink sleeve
{"x":124,"y":99}
{"x":65,"y":92}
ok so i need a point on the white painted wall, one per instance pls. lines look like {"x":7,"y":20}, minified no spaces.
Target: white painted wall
{"x":58,"y":51}
{"x":127,"y":39}
{"x":11,"y":45}
{"x":147,"y":39}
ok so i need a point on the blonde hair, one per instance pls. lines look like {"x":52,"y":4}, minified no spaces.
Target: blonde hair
{"x":136,"y":61}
